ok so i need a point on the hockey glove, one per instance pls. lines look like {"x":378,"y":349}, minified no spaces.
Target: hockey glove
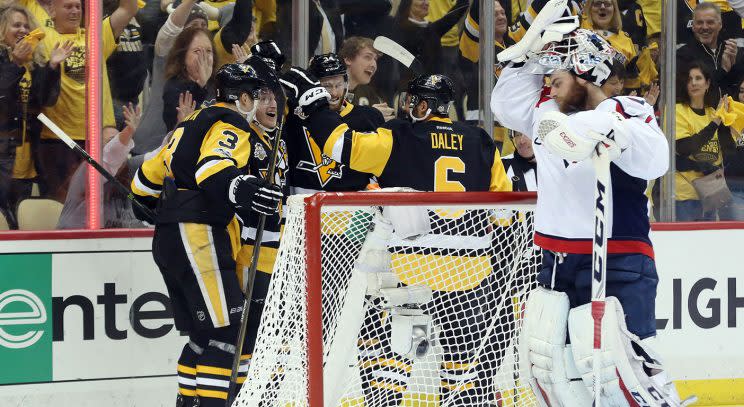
{"x":247,"y":191}
{"x":304,"y":93}
{"x":576,"y":138}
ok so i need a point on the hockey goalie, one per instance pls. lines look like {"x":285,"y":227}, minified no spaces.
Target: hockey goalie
{"x":572,"y":122}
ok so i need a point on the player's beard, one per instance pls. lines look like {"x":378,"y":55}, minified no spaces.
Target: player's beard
{"x":575,"y":100}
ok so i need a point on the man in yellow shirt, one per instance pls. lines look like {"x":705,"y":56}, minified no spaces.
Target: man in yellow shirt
{"x":70,"y":112}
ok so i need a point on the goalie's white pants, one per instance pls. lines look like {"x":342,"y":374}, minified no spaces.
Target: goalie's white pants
{"x":562,"y":375}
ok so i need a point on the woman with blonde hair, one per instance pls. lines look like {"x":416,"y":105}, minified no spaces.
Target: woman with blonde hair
{"x":605,"y":18}
{"x":27,"y":82}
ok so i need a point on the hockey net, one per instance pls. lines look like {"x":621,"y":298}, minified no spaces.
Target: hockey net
{"x":430,"y":320}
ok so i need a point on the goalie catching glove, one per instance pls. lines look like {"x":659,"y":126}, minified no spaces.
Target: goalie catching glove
{"x":247,"y":191}
{"x":577,"y":137}
{"x":304,"y":92}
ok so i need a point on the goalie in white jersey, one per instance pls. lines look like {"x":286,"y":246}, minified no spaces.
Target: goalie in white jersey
{"x":568,"y":122}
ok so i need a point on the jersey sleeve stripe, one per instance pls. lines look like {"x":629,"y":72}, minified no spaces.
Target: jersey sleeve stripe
{"x":370,"y":152}
{"x":211,"y":167}
{"x":143,"y":187}
{"x":335,"y":143}
{"x":499,"y":180}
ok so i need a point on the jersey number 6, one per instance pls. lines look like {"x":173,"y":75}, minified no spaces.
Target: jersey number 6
{"x":442,"y":167}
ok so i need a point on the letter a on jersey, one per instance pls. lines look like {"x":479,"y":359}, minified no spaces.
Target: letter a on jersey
{"x":323,"y":166}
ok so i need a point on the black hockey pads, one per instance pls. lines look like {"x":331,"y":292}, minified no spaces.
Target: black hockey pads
{"x":247,"y":191}
{"x":304,"y":93}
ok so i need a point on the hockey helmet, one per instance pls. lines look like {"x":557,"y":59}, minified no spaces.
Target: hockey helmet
{"x":231,"y":80}
{"x":437,"y":90}
{"x":270,"y":53}
{"x":325,"y":65}
{"x":582,"y":52}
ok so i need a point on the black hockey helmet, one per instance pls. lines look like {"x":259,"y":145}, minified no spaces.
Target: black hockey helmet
{"x":437,"y":90}
{"x":270,"y":53}
{"x":325,"y":65}
{"x":234,"y":79}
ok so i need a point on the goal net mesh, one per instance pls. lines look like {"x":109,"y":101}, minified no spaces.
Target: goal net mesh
{"x":434,"y":322}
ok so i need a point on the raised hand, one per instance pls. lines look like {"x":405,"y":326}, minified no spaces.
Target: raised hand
{"x":22,"y":53}
{"x":239,"y":53}
{"x":652,"y":94}
{"x":729,"y":55}
{"x":186,"y":106}
{"x":60,"y":53}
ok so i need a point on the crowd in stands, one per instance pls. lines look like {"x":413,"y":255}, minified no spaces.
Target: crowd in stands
{"x":160,"y":57}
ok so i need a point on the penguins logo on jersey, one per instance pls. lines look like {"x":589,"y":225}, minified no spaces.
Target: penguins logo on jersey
{"x":323,"y":166}
{"x":281,"y":165}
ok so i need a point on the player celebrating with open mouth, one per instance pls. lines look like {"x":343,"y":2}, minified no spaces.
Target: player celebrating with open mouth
{"x":580,"y":207}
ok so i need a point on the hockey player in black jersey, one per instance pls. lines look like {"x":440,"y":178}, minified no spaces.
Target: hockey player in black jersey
{"x":427,"y":153}
{"x":199,"y":181}
{"x":311,"y":169}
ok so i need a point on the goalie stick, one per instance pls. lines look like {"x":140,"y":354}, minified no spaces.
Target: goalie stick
{"x":602,"y":202}
{"x":98,"y":167}
{"x":265,"y":72}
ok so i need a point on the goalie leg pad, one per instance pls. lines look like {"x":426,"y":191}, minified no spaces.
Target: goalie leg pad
{"x":374,"y":256}
{"x":631,"y":373}
{"x":543,"y":352}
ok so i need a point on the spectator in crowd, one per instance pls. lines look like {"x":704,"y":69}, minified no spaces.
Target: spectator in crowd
{"x":188,"y":70}
{"x":127,"y":67}
{"x":422,"y":38}
{"x":117,"y":211}
{"x":469,"y":57}
{"x":731,"y":25}
{"x":365,"y":18}
{"x":604,"y":18}
{"x":733,"y":168}
{"x":633,"y":22}
{"x":722,"y":57}
{"x":616,"y":82}
{"x":41,"y":10}
{"x":521,"y":166}
{"x":360,"y":58}
{"x":152,"y":128}
{"x":28,"y":81}
{"x":57,"y":160}
{"x":698,"y":130}
{"x":450,"y":41}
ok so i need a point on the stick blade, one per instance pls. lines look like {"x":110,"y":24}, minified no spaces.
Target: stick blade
{"x":56,"y":130}
{"x":399,"y":53}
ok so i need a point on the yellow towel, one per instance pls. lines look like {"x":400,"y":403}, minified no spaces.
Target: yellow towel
{"x":34,"y":37}
{"x":734,"y":117}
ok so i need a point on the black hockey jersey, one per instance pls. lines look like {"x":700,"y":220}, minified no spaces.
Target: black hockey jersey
{"x":261,"y":145}
{"x":433,"y":155}
{"x":205,"y":152}
{"x":312,"y":170}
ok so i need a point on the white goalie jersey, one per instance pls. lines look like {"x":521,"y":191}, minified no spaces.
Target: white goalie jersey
{"x":565,"y":204}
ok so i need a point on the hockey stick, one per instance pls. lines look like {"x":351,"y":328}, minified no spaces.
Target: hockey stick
{"x":398,"y":53}
{"x":602,"y":208}
{"x":264,"y":72}
{"x":110,"y":178}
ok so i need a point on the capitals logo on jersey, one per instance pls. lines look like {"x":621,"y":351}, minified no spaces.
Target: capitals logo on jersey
{"x":323,"y":166}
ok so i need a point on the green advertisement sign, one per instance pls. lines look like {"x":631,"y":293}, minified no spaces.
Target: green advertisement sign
{"x":25,"y":318}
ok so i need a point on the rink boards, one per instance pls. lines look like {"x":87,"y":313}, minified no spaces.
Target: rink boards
{"x":84,"y":318}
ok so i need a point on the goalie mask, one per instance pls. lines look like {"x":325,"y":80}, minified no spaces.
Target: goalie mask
{"x":437,"y":90}
{"x":582,"y":52}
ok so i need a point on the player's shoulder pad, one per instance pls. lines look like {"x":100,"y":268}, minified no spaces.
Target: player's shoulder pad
{"x":628,"y":106}
{"x":225,"y":115}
